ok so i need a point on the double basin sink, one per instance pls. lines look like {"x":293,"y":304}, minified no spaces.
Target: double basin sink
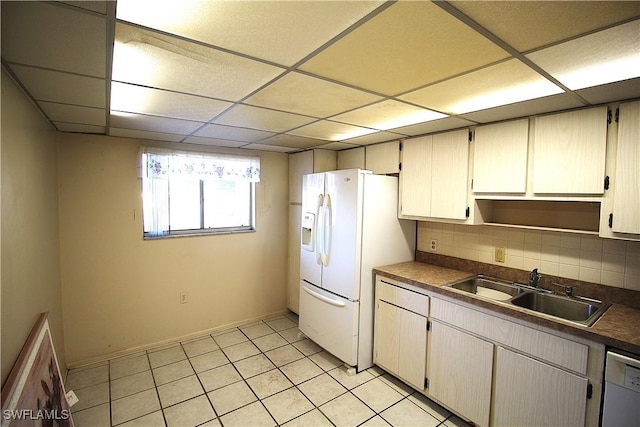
{"x":580,"y":310}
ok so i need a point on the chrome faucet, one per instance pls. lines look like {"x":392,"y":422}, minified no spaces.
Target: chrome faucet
{"x":534,"y":278}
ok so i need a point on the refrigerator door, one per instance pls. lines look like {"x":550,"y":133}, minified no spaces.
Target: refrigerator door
{"x":330,"y":321}
{"x":312,"y":214}
{"x":342,"y":233}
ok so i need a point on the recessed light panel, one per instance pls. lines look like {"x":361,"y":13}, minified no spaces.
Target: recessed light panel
{"x":604,"y":57}
{"x":387,"y":115}
{"x":139,"y":99}
{"x":501,"y":84}
{"x":331,"y":131}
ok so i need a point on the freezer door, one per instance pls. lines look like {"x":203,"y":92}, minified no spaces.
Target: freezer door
{"x":342,"y":234}
{"x":312,"y":213}
{"x":330,"y":321}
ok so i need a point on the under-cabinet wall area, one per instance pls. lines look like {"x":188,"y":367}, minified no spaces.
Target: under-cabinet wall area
{"x":575,"y":256}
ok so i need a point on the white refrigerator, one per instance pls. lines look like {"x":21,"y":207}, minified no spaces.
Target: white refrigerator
{"x":349,"y":226}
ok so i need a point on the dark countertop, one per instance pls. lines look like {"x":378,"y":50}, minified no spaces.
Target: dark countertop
{"x":618,"y":327}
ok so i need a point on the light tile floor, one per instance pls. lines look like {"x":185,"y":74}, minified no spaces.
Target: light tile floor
{"x":261,"y":374}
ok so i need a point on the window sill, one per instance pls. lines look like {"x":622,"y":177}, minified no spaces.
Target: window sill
{"x":188,"y":233}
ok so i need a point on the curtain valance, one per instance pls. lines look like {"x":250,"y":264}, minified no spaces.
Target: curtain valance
{"x":159,"y":164}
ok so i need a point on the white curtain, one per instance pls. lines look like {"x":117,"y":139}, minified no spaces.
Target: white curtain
{"x":157,"y":166}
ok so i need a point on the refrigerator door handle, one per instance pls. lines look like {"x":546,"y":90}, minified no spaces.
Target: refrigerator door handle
{"x":327,"y":222}
{"x":319,"y":229}
{"x":323,"y":298}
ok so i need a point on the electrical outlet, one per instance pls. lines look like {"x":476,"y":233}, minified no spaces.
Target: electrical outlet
{"x":434,"y":245}
{"x":500,"y":254}
{"x":184,"y":298}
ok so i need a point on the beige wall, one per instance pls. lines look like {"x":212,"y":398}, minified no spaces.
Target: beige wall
{"x":582,"y":257}
{"x":122,"y":292}
{"x":30,"y":239}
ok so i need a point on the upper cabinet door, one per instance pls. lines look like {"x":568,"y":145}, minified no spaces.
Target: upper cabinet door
{"x":500,"y":158}
{"x":449,"y":175}
{"x":569,"y":152}
{"x":352,"y":158}
{"x":299,"y":164}
{"x":415,"y":177}
{"x":626,"y":198}
{"x":383,"y":158}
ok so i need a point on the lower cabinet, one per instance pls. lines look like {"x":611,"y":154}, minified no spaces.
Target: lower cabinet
{"x":535,"y":393}
{"x":487,"y":369}
{"x":400,"y":337}
{"x":460,"y":370}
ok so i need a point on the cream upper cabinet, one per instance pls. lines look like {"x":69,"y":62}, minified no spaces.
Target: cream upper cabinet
{"x":383,"y":158}
{"x":500,"y":158}
{"x":400,"y":332}
{"x":626,"y":184}
{"x":569,"y":152}
{"x":415,"y":177}
{"x":529,"y":392}
{"x":352,"y":158}
{"x":434,"y":176}
{"x":460,"y":372}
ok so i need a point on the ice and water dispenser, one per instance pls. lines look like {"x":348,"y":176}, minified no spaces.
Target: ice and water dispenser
{"x":308,"y":222}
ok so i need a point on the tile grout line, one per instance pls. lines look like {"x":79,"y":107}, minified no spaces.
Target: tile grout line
{"x":263,"y":353}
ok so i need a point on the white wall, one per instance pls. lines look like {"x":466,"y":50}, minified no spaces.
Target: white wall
{"x":30,"y":239}
{"x":121,"y":292}
{"x":575,"y":256}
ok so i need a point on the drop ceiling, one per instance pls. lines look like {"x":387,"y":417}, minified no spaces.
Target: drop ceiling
{"x":292,"y":75}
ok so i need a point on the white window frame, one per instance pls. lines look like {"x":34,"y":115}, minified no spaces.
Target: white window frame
{"x":158,"y":166}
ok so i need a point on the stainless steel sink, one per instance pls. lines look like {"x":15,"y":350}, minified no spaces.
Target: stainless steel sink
{"x":489,"y":288}
{"x":575,"y":309}
{"x":580,"y":310}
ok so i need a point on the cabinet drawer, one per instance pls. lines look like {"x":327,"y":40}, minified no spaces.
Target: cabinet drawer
{"x":409,"y":300}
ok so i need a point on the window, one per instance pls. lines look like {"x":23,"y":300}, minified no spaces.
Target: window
{"x":187,"y":193}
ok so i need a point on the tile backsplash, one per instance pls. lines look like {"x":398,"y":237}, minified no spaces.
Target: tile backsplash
{"x":574,"y":256}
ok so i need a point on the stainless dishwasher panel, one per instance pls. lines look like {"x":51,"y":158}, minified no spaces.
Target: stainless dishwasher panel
{"x":621,"y":404}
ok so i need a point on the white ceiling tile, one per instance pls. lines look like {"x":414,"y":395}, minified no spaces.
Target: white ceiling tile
{"x":262,"y":147}
{"x":527,"y":25}
{"x":138,"y":99}
{"x":141,"y":134}
{"x":232,"y":133}
{"x":156,"y":60}
{"x":302,"y":94}
{"x":563,"y":101}
{"x":74,"y":114}
{"x":603,"y":57}
{"x":448,"y":123}
{"x":407,"y":46}
{"x":337,"y":146}
{"x":79,"y":128}
{"x":387,"y":115}
{"x":292,"y":141}
{"x":49,"y":36}
{"x":262,"y":118}
{"x":618,"y":91}
{"x":374,"y":138}
{"x":55,"y":86}
{"x":331,"y":131}
{"x":152,"y":123}
{"x":257,"y":28}
{"x":213,"y":142}
{"x":501,"y":84}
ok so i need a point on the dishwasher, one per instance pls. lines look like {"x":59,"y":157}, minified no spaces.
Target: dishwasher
{"x":621,"y":403}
